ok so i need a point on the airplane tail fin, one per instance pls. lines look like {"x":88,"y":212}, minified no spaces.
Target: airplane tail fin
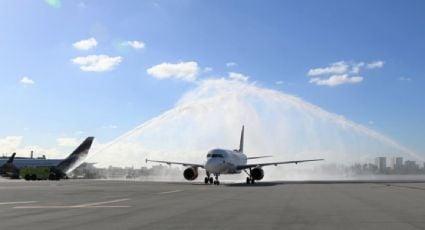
{"x":8,"y":169}
{"x":76,"y":156}
{"x":241,"y":142}
{"x":11,"y":159}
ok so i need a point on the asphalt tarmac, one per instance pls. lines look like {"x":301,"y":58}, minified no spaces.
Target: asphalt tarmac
{"x":102,"y":204}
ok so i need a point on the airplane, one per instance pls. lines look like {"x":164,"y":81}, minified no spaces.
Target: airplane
{"x":58,"y":167}
{"x":223,"y":161}
{"x":8,"y":169}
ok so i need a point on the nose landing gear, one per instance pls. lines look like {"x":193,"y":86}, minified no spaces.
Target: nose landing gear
{"x":209,"y":179}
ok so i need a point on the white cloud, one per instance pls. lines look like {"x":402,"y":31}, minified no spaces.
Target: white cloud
{"x":67,"y":141}
{"x":231,"y":64}
{"x":341,"y":72}
{"x":279,"y":82}
{"x":335,"y":80}
{"x":340,"y":67}
{"x":355,"y":68}
{"x":85,"y":44}
{"x":238,"y":76}
{"x":375,"y":65}
{"x":405,"y":79}
{"x":135,"y":44}
{"x":10,"y":144}
{"x":27,"y":80}
{"x":97,"y":63}
{"x":186,"y":71}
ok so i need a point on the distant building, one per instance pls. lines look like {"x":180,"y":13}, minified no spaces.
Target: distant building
{"x":411,"y":166}
{"x":396,"y":163}
{"x":381,"y":163}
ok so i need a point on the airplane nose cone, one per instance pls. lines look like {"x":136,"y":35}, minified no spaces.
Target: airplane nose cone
{"x":213,"y":166}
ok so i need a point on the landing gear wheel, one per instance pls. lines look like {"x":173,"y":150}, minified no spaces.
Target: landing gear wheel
{"x":248,"y":180}
{"x":206,"y":180}
{"x":252,"y":181}
{"x":211,"y":180}
{"x":218,"y":182}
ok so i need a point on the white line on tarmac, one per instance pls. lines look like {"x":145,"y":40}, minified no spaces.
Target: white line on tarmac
{"x":18,"y":202}
{"x":168,"y":192}
{"x":87,"y":205}
{"x":67,"y":207}
{"x":99,"y":203}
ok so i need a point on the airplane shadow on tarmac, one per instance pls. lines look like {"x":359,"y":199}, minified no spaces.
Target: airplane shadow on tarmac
{"x":257,"y":184}
{"x":274,"y":183}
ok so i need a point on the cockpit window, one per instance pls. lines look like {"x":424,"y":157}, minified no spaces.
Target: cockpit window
{"x":215,"y":155}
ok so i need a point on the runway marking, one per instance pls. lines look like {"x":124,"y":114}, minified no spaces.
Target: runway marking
{"x":405,"y":186}
{"x":18,"y":202}
{"x":86,"y":205}
{"x":168,"y":192}
{"x":99,"y":203}
{"x":67,"y":207}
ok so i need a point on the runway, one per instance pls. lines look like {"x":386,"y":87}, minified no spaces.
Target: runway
{"x":101,"y":204}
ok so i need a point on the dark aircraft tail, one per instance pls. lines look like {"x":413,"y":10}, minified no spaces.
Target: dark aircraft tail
{"x":75,"y":157}
{"x":11,"y":158}
{"x":241,"y":142}
{"x":8,"y":169}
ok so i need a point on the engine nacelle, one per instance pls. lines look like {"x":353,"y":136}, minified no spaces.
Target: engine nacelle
{"x":257,"y":173}
{"x":190,"y":173}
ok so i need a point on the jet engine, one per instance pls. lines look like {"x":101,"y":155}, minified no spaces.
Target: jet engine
{"x":257,"y":173}
{"x":190,"y":173}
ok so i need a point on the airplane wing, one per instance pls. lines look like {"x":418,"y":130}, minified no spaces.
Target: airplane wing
{"x":251,"y":158}
{"x":248,"y":166}
{"x":176,"y":163}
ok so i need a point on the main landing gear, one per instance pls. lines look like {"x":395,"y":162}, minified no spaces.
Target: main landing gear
{"x":249,"y":179}
{"x":209,"y":179}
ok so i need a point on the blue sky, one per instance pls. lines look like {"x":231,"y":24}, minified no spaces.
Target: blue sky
{"x":306,"y":48}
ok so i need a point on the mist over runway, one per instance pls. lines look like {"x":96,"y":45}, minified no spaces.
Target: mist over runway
{"x":278,"y":124}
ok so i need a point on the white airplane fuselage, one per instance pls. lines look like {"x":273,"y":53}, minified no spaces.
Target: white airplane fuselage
{"x":223,"y":161}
